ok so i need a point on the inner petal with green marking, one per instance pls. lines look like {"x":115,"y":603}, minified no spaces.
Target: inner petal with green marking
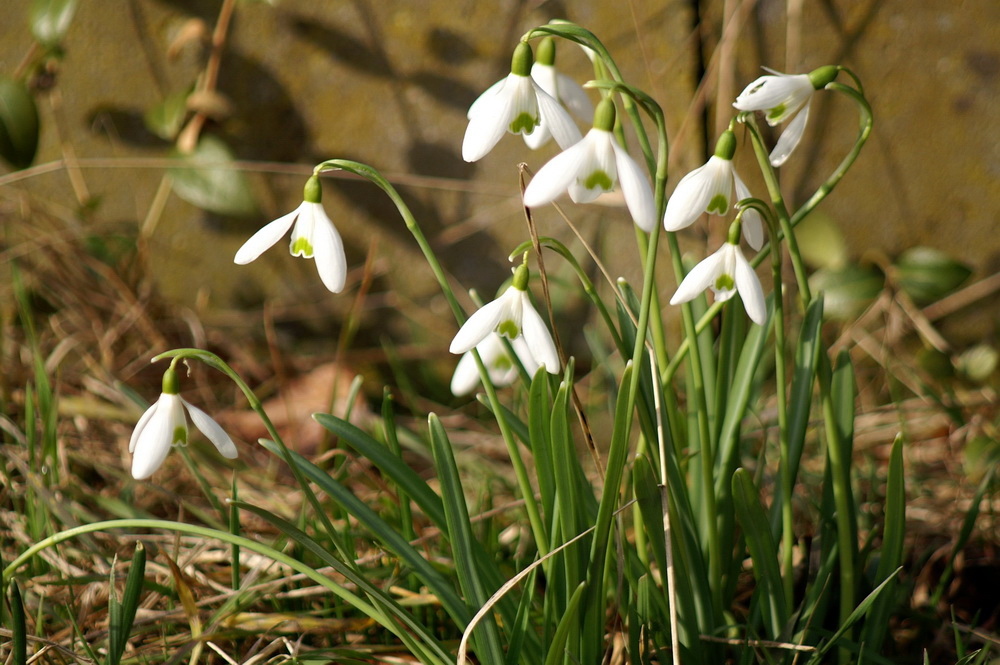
{"x":180,"y":436}
{"x":777,"y":111}
{"x":525,"y":122}
{"x":502,"y":362}
{"x":724,"y":282}
{"x":719,"y":204}
{"x":600,"y":179}
{"x":509,"y":329}
{"x":302,"y":247}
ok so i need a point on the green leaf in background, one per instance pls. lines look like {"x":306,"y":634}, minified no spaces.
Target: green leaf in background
{"x":166,"y":118}
{"x":19,"y":125}
{"x":821,"y":242}
{"x":928,"y":274}
{"x":208,"y":179}
{"x":978,"y":363}
{"x":847,"y":291}
{"x":50,"y":20}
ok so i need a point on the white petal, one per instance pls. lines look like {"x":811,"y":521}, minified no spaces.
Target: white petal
{"x":157,"y":437}
{"x":265,"y":238}
{"x":524,"y":355}
{"x":466,"y":376}
{"x":696,"y":191}
{"x":790,"y":138}
{"x":484,"y":98}
{"x":488,"y":124}
{"x":141,"y":425}
{"x":211,"y":430}
{"x":555,"y":177}
{"x":635,"y":189}
{"x":572,"y":94}
{"x":750,"y":290}
{"x":328,"y":250}
{"x":538,"y":339}
{"x":563,"y":129}
{"x":539,"y":137}
{"x":768,"y":92}
{"x":545,"y":77}
{"x":701,"y":277}
{"x":479,"y":325}
{"x":753,"y":226}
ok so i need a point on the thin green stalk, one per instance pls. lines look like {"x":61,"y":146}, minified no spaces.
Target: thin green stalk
{"x":520,"y":470}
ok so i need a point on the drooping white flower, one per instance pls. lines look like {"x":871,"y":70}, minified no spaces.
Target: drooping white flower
{"x":560,"y":87}
{"x":164,"y":425}
{"x":709,"y":188}
{"x":511,"y":315}
{"x":313,"y":237}
{"x":726,"y":272}
{"x":495,"y":356}
{"x":593,"y":166}
{"x":781,"y":96}
{"x":515,"y":104}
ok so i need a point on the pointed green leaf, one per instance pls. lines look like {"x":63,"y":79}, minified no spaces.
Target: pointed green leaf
{"x":167,"y":118}
{"x":19,"y":126}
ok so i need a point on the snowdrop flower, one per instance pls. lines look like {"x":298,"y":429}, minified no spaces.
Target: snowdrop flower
{"x":314,"y":236}
{"x":709,"y":188}
{"x":501,"y":367}
{"x":592,"y":167}
{"x":781,"y":96}
{"x":511,"y":315}
{"x":516,"y":104}
{"x":164,"y":425}
{"x":725,"y":272}
{"x":560,"y":87}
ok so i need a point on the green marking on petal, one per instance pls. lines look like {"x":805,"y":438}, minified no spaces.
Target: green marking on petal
{"x":302,"y":247}
{"x":719,"y":204}
{"x":524,"y":123}
{"x":180,"y":436}
{"x":503,"y":362}
{"x":508,"y":329}
{"x":777,"y":111}
{"x":598,"y":179}
{"x":724,"y":283}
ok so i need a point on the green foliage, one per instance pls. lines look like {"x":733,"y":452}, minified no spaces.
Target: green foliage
{"x":19,"y":126}
{"x":208,"y":179}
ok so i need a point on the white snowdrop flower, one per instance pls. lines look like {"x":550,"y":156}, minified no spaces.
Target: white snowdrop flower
{"x":709,"y":188}
{"x":593,"y":166}
{"x":495,"y":356}
{"x":726,"y":272}
{"x":560,"y":87}
{"x":164,"y":425}
{"x":511,"y":315}
{"x":781,"y":96}
{"x":313,"y":237}
{"x":516,"y":104}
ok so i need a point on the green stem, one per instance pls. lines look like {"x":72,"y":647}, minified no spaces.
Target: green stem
{"x":520,"y":470}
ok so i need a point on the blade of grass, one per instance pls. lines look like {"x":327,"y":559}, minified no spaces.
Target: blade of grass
{"x":460,"y":535}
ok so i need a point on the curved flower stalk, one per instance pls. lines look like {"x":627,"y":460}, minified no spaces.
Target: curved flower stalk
{"x":709,"y":188}
{"x":560,"y":87}
{"x":314,"y":236}
{"x":781,"y":96}
{"x":516,"y":104}
{"x":513,"y":316}
{"x":594,"y":166}
{"x":164,"y":425}
{"x":501,"y":366}
{"x":726,"y":272}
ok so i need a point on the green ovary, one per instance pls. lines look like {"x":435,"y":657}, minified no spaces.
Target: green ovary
{"x":598,"y":179}
{"x":302,"y":247}
{"x":180,"y":436}
{"x":718,"y":204}
{"x":523,"y":123}
{"x":508,"y":329}
{"x":776,"y":112}
{"x":724,"y":283}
